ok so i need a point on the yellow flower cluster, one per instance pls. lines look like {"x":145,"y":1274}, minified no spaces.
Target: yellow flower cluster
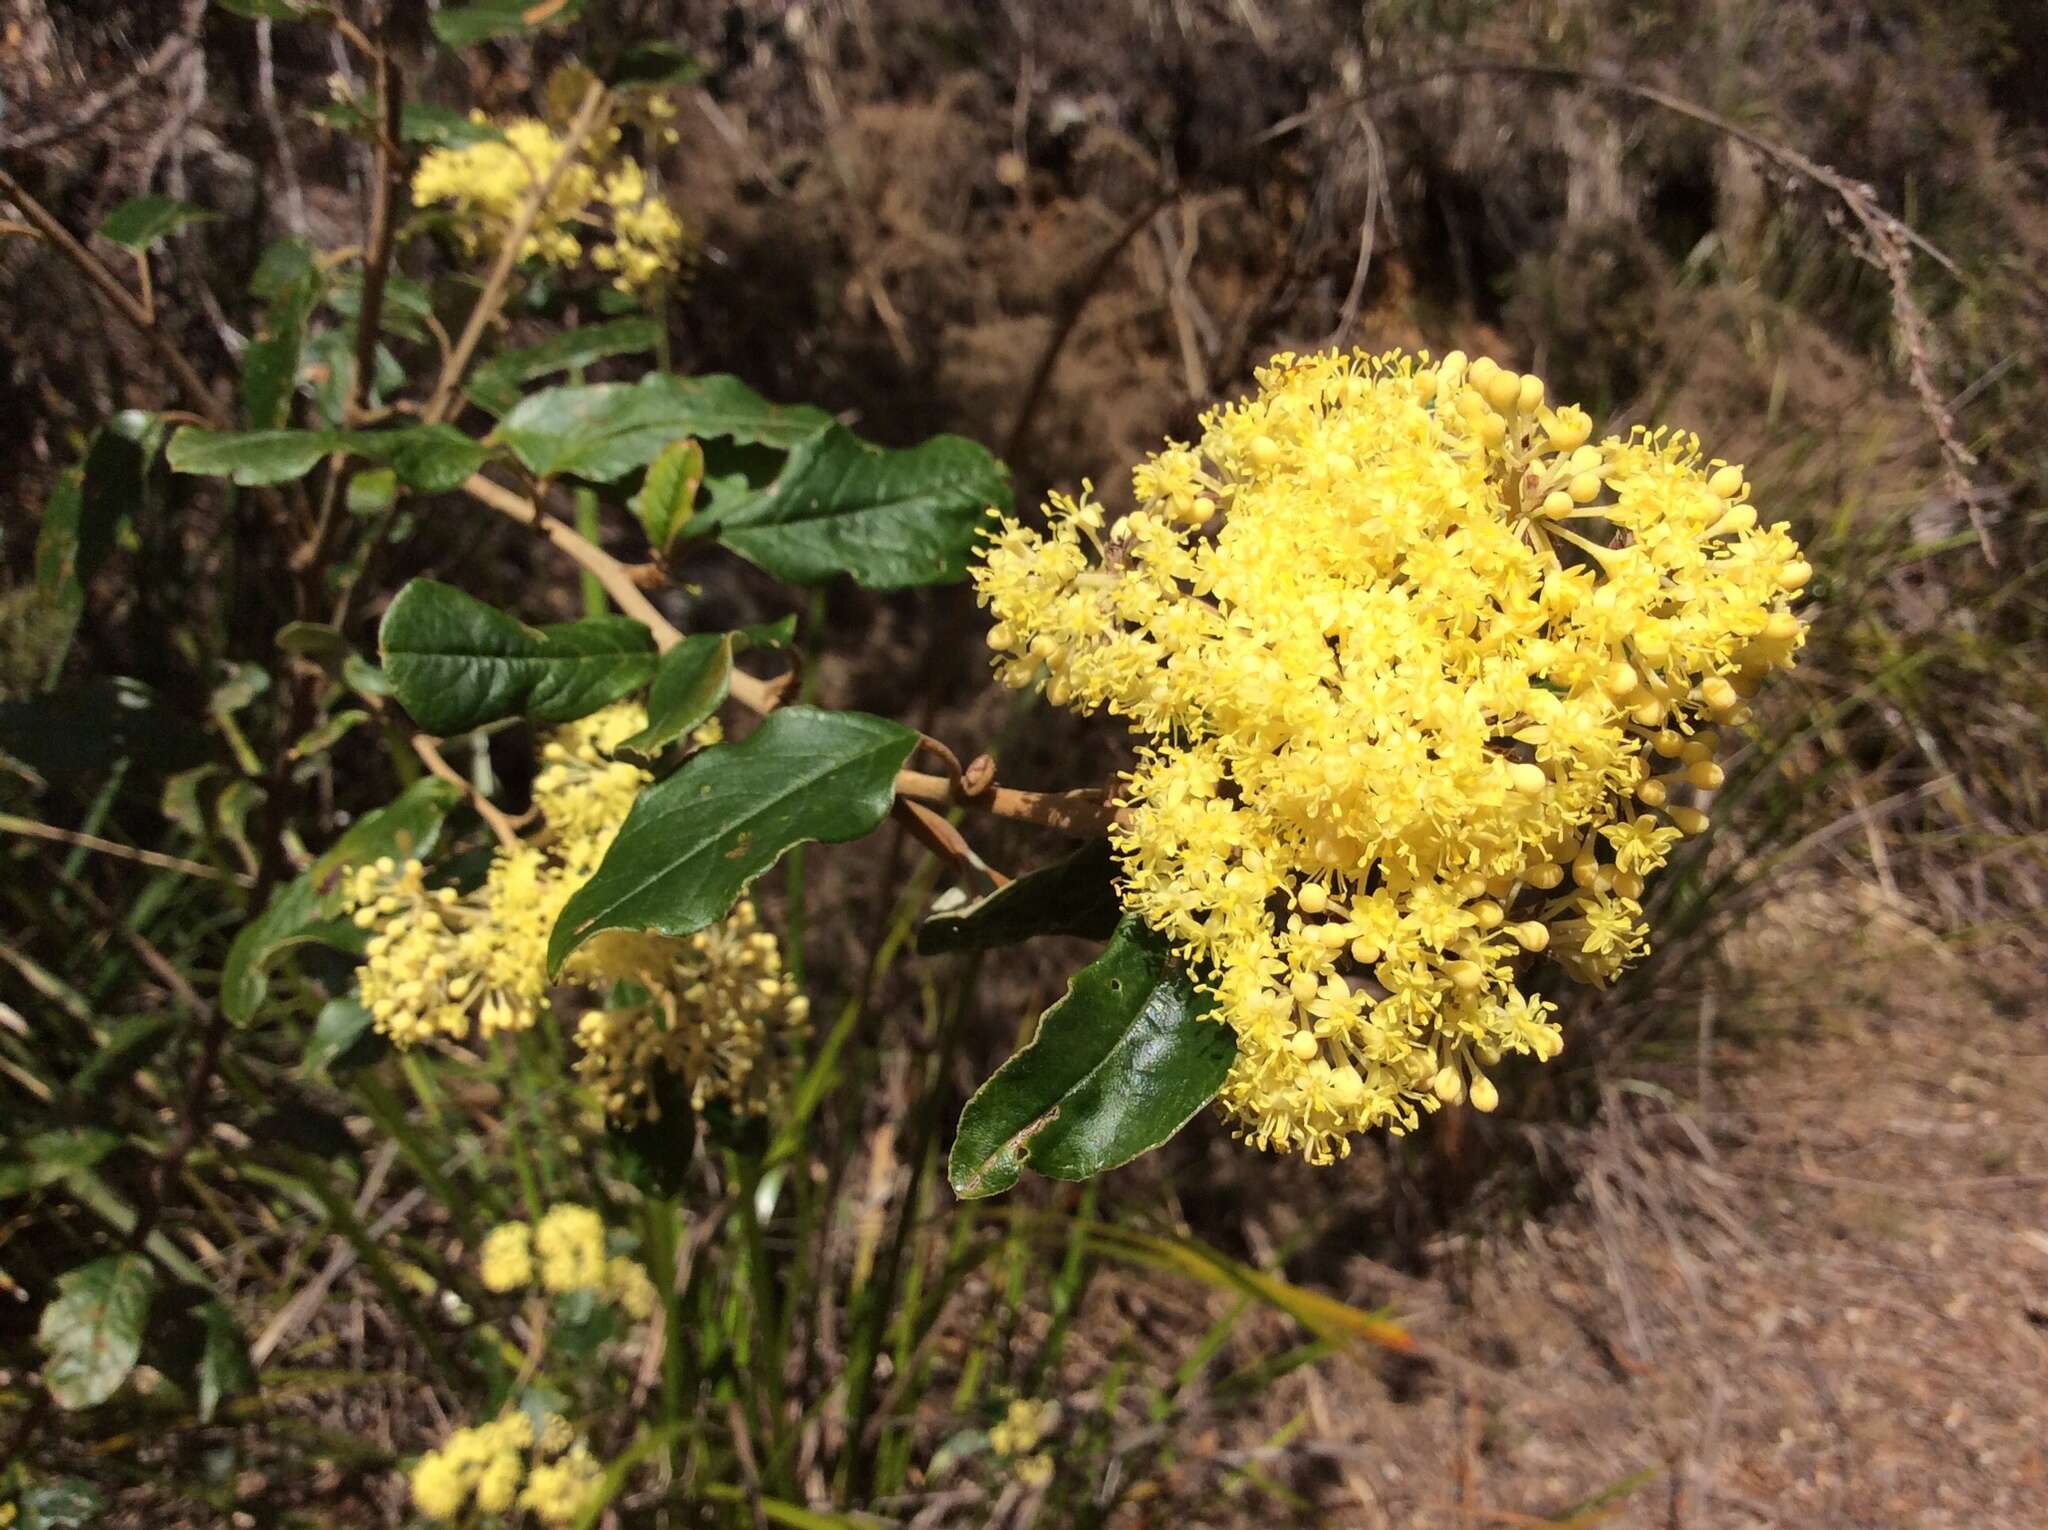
{"x":1425,"y":674}
{"x":442,"y":961}
{"x":718,"y":1010}
{"x":1017,"y":1438}
{"x":487,"y":184}
{"x":504,"y":1465}
{"x":565,"y":1251}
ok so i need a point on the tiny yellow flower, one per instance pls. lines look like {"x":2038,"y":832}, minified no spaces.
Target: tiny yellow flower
{"x":505,"y":1262}
{"x":569,"y":1246}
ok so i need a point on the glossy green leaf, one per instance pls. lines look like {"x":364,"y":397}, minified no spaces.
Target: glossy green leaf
{"x":92,"y":1329}
{"x":496,"y":385}
{"x":1119,"y":1065}
{"x":224,"y":1367}
{"x":463,"y":26}
{"x":693,"y":843}
{"x":690,"y":683}
{"x":603,"y":431}
{"x":457,"y":663}
{"x":668,"y":498}
{"x":140,"y":221}
{"x":1074,"y":896}
{"x":430,"y":458}
{"x":310,"y":907}
{"x":889,"y":519}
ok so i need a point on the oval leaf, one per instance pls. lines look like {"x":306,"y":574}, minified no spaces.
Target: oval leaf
{"x":604,"y":431}
{"x":1117,"y":1067}
{"x":690,"y":683}
{"x":92,"y":1330}
{"x":464,"y":26}
{"x":695,"y":841}
{"x":1075,"y":896}
{"x":890,"y":519}
{"x":140,"y":221}
{"x":668,"y":499}
{"x":495,"y":385}
{"x":457,"y":663}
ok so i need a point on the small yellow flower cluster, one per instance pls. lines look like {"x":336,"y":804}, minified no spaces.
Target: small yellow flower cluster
{"x":441,"y":960}
{"x":719,"y":1011}
{"x":489,"y":1464}
{"x":566,"y":1252}
{"x":1425,"y":674}
{"x":1017,"y":1438}
{"x":486,"y":185}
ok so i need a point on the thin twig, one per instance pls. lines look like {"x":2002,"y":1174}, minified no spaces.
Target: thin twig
{"x":496,"y":285}
{"x":100,"y":102}
{"x":29,"y":827}
{"x":429,"y":751}
{"x":125,"y":302}
{"x":383,"y":226}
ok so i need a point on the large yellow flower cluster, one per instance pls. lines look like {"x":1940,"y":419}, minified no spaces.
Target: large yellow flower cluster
{"x":718,"y":1010}
{"x":1425,"y":674}
{"x":489,"y":1465}
{"x":565,"y":1252}
{"x":486,"y":184}
{"x":442,"y":961}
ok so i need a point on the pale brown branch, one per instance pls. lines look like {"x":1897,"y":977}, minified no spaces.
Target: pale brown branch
{"x":34,"y":830}
{"x":430,"y":754}
{"x":125,"y":302}
{"x":588,"y":114}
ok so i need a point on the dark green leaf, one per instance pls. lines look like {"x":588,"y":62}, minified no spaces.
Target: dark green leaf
{"x":329,"y":369}
{"x":430,"y":458}
{"x":690,"y":683}
{"x":286,"y":264}
{"x":887,"y":518}
{"x":344,"y":1038}
{"x":250,"y":457}
{"x":1074,"y":896}
{"x":653,"y":65}
{"x":272,"y":10}
{"x":497,"y":383}
{"x":668,"y":498}
{"x":464,"y":26}
{"x":47,"y":1157}
{"x":1119,"y":1065}
{"x":89,"y":505}
{"x":604,"y":431}
{"x":693,"y":842}
{"x":224,"y":1367}
{"x":92,"y":1329}
{"x":140,"y":221}
{"x":457,"y":663}
{"x":270,"y":367}
{"x":443,"y":127}
{"x":310,"y":907}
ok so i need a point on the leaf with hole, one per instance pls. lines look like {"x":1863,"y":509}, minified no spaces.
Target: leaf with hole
{"x":457,"y":663}
{"x":889,"y":519}
{"x":1118,"y":1066}
{"x":92,"y":1329}
{"x":693,"y":843}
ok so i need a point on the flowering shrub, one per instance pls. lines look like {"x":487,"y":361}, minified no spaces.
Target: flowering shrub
{"x":1421,"y":705}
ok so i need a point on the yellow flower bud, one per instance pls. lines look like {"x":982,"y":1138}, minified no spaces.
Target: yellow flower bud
{"x":1503,"y":390}
{"x":1448,"y":1085}
{"x":1705,"y":774}
{"x":1725,"y":483}
{"x":1485,"y":1098}
{"x":1584,"y":488}
{"x":1312,"y":897}
{"x":1531,"y":396}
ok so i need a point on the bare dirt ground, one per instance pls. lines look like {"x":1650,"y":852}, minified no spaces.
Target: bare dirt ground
{"x":1810,"y":1290}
